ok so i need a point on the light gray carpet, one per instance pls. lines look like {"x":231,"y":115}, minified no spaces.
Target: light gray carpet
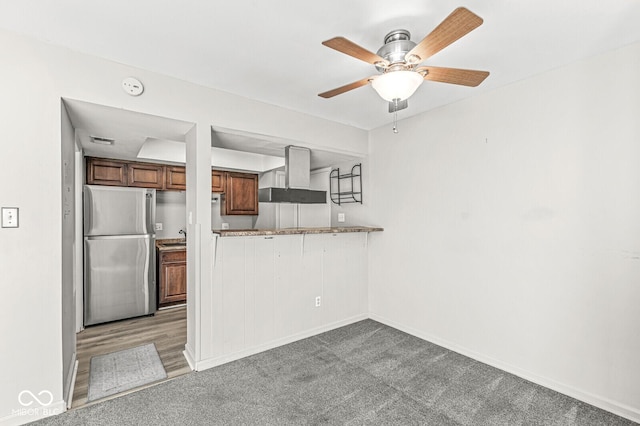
{"x":120,"y":371}
{"x":364,"y":373}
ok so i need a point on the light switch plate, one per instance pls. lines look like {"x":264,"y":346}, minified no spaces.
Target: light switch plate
{"x":10,"y":217}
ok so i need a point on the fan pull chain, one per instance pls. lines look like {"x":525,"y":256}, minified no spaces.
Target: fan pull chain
{"x":395,"y":117}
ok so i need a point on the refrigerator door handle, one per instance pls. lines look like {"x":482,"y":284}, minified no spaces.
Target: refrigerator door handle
{"x":118,"y":237}
{"x":150,"y":214}
{"x":88,"y":216}
{"x":150,"y":285}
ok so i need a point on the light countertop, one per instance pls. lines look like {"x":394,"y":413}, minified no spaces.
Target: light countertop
{"x":171,"y":244}
{"x":294,"y":231}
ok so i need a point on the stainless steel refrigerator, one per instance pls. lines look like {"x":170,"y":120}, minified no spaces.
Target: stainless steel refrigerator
{"x":119,"y":253}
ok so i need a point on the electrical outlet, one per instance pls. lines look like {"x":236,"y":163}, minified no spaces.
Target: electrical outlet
{"x":318,"y":302}
{"x":10,"y":217}
{"x":158,"y":226}
{"x":341,"y":217}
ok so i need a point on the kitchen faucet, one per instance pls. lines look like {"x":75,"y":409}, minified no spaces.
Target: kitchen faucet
{"x":183,"y":232}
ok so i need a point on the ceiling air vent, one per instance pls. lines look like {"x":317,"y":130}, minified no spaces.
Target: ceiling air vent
{"x":102,"y":141}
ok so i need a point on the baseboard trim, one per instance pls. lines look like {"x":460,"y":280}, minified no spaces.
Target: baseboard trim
{"x":595,"y":400}
{"x":70,"y":382}
{"x":188,"y":354}
{"x":69,"y":397}
{"x":216,"y":361}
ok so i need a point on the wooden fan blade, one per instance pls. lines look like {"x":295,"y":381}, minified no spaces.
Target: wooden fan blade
{"x":345,"y":88}
{"x":348,"y":47}
{"x":459,"y":76}
{"x":461,"y":22}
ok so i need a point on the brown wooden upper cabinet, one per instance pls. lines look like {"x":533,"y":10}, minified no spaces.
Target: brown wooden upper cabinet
{"x":146,"y":175}
{"x":241,"y":195}
{"x":175,"y":178}
{"x":106,"y":172}
{"x":102,"y":171}
{"x":240,"y":189}
{"x":217,"y":181}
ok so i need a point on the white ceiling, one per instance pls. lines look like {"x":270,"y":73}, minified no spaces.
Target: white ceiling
{"x":145,"y":137}
{"x":128,"y":129}
{"x":271,"y":50}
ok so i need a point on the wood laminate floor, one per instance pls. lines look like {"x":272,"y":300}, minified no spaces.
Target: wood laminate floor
{"x":167,"y":329}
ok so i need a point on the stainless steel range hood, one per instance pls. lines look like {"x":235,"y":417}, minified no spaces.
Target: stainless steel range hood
{"x":297,"y":180}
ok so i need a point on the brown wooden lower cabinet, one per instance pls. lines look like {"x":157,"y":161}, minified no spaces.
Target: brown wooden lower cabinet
{"x":173,"y":277}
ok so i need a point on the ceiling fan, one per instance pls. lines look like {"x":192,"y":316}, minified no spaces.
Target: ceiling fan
{"x":399,"y":58}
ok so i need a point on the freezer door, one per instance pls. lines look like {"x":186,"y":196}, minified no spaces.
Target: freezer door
{"x":119,"y":278}
{"x":111,"y":210}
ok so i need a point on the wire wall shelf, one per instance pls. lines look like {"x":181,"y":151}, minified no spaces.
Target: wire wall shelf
{"x":346,"y":188}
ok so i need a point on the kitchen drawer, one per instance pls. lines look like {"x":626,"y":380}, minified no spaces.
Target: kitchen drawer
{"x":173,"y":256}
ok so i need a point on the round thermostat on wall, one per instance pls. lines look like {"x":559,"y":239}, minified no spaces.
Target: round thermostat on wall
{"x":132,"y":86}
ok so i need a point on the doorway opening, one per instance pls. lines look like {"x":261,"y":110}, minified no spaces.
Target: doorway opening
{"x":129,"y":140}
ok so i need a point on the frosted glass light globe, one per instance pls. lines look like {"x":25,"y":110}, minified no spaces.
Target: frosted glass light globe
{"x":397,"y":84}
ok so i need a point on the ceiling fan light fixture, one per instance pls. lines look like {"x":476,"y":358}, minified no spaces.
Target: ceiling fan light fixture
{"x":399,"y":85}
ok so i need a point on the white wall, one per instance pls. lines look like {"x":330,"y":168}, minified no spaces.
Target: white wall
{"x":512,"y":228}
{"x":68,"y":183}
{"x":296,"y":215}
{"x":171,"y":211}
{"x":264,"y":290}
{"x":287,"y":215}
{"x":234,"y":221}
{"x":316,"y":215}
{"x":355,"y":213}
{"x":31,"y":255}
{"x":33,"y":78}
